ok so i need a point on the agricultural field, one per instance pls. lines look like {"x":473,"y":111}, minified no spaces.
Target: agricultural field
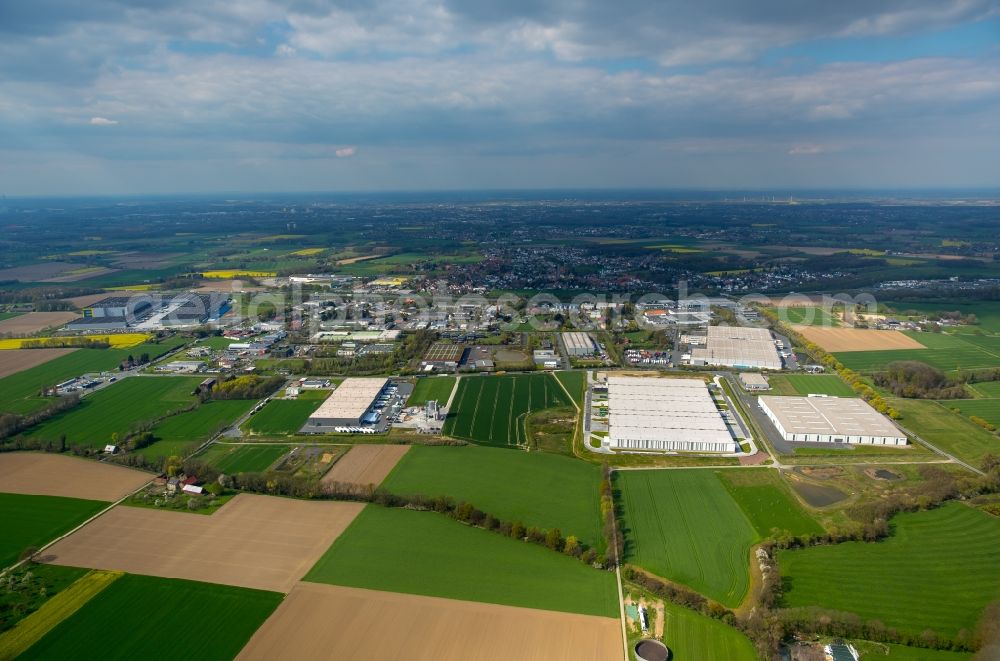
{"x":551,"y":491}
{"x":274,"y":539}
{"x":228,"y":274}
{"x":492,"y":409}
{"x":858,"y":339}
{"x":431,"y":388}
{"x":767,"y":502}
{"x":443,"y":558}
{"x":32,"y":322}
{"x":684,"y":526}
{"x":575,"y":384}
{"x":317,"y":621}
{"x":366,"y":464}
{"x":946,"y":351}
{"x":19,"y":393}
{"x":28,"y":593}
{"x":282,"y":416}
{"x":987,"y":409}
{"x":807,"y":315}
{"x":152,"y":615}
{"x":819,"y":384}
{"x":18,"y":360}
{"x":949,"y":431}
{"x":693,"y":636}
{"x":118,"y":408}
{"x":179,"y":431}
{"x":231,"y":459}
{"x":49,"y":474}
{"x":33,"y":521}
{"x":881,"y":651}
{"x":987,"y":312}
{"x":118,"y":341}
{"x":951,"y":550}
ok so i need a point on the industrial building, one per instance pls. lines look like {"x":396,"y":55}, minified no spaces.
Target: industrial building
{"x":665,"y":415}
{"x":351,"y":404}
{"x":579,"y":344}
{"x":732,"y":346}
{"x":113,"y":313}
{"x":823,"y":419}
{"x":752,"y":381}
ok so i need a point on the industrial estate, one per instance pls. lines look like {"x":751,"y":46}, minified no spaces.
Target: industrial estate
{"x":310,"y":431}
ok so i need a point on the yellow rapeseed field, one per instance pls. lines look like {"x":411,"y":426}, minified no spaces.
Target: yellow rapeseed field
{"x":121,"y":341}
{"x":227,"y":274}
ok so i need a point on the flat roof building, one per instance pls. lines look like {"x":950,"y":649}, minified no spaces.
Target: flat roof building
{"x":733,"y":346}
{"x":348,"y":404}
{"x":754,"y":381}
{"x":665,"y":415}
{"x":825,"y":419}
{"x":579,"y":344}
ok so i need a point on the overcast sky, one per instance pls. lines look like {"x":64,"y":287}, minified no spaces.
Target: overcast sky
{"x":149,"y":96}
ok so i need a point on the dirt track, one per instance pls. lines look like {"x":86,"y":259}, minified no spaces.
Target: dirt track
{"x":857,"y":339}
{"x":366,"y":464}
{"x":32,"y":322}
{"x":44,"y":474}
{"x":260,"y":542}
{"x":331,"y":622}
{"x":18,"y":360}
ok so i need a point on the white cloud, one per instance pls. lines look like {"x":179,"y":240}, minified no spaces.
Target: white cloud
{"x":102,"y":121}
{"x":806,"y":150}
{"x":346,"y":152}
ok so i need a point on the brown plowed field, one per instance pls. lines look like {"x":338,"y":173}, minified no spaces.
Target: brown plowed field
{"x":33,"y":322}
{"x":253,"y":541}
{"x":366,"y":464}
{"x":857,"y":339}
{"x":43,"y":474}
{"x":17,"y":360}
{"x":332,"y":622}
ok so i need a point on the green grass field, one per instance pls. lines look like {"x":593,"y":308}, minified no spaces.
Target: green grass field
{"x":431,"y":387}
{"x":820,"y":384}
{"x":807,"y":316}
{"x":684,"y":526}
{"x":37,"y":520}
{"x":426,"y":553}
{"x":232,"y":459}
{"x":179,"y":431}
{"x":142,"y":617}
{"x":946,"y":351}
{"x":544,"y":490}
{"x":19,"y":392}
{"x":988,"y":312}
{"x":990,"y":389}
{"x":949,"y":431}
{"x":118,"y":408}
{"x":575,"y":383}
{"x":767,"y":502}
{"x":694,"y":637}
{"x":987,"y":409}
{"x":937,"y":571}
{"x":281,"y":416}
{"x":492,"y":409}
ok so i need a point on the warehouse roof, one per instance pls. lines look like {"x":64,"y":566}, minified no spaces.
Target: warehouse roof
{"x":839,"y":416}
{"x":578,"y":340}
{"x":732,"y":345}
{"x":351,"y":398}
{"x":655,"y":409}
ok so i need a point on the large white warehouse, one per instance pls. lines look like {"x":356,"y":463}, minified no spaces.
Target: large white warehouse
{"x":745,"y":348}
{"x":666,"y":415}
{"x":830,"y":420}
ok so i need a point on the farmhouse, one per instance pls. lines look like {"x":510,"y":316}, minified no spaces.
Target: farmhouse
{"x":733,"y":346}
{"x":578,"y":344}
{"x":665,"y":415}
{"x":350,"y":404}
{"x":825,"y":419}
